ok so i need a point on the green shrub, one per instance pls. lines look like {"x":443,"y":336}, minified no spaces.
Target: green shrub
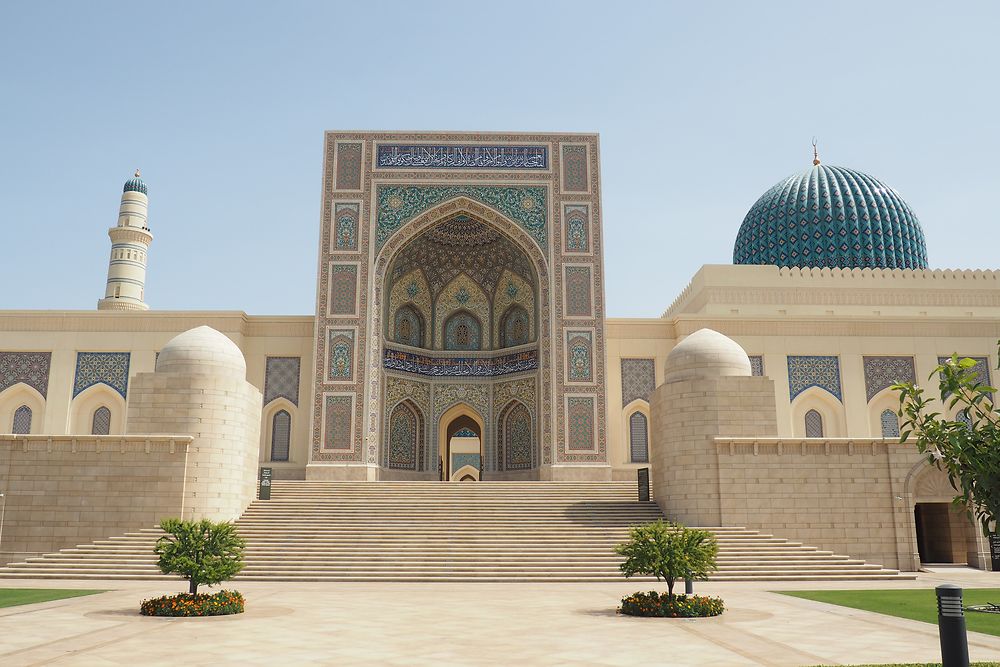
{"x":203,"y":552}
{"x":668,"y":551}
{"x":186,"y":604}
{"x":670,"y":606}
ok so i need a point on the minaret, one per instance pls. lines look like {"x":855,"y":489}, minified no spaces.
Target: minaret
{"x":129,"y":251}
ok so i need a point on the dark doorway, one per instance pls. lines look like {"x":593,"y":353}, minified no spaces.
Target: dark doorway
{"x":934,"y":532}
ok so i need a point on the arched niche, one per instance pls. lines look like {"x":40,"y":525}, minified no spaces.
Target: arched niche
{"x":382,"y":281}
{"x":404,"y":437}
{"x":91,"y":399}
{"x":885,"y":400}
{"x":635,"y":407}
{"x":515,"y":437}
{"x":267,"y":429}
{"x":14,"y":397}
{"x":456,"y":418}
{"x":823,"y":403}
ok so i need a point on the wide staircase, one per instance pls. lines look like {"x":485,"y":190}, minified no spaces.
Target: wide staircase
{"x":458,"y":532}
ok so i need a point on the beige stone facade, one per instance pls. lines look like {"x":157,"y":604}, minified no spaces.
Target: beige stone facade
{"x":412,"y":342}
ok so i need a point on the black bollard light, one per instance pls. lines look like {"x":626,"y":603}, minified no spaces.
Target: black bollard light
{"x":951,"y":626}
{"x":688,"y":586}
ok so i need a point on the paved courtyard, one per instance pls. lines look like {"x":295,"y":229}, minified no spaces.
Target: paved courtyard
{"x":474,"y":624}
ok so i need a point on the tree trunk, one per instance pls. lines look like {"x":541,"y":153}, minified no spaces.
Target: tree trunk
{"x":193,"y":590}
{"x":670,"y":587}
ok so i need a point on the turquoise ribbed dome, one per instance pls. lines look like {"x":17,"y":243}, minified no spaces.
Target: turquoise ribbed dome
{"x":831,"y":217}
{"x":135,"y":184}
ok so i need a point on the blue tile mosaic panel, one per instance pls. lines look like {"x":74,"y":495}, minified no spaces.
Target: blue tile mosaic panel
{"x":517,"y":362}
{"x":111,"y":368}
{"x":882,"y":372}
{"x":814,"y":371}
{"x":31,"y":368}
{"x":281,"y":379}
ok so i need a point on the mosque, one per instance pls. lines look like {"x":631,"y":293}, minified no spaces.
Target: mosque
{"x":460,"y":335}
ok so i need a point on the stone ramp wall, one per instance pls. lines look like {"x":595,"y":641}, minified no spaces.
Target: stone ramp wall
{"x":67,"y":490}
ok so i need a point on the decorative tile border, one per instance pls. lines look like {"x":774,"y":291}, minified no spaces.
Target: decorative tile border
{"x":464,"y":156}
{"x":422,"y":364}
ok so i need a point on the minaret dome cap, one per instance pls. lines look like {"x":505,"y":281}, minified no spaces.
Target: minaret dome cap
{"x":136,"y":184}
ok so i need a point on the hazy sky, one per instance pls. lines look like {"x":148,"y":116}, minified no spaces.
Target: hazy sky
{"x":700,"y":106}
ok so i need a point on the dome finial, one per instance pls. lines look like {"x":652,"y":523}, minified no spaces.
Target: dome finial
{"x":815,"y":153}
{"x":137,"y":174}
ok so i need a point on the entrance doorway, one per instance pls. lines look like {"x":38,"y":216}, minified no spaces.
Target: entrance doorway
{"x":461,"y":442}
{"x":940,"y":533}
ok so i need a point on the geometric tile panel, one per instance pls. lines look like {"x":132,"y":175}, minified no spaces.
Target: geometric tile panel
{"x":981,"y":369}
{"x":882,"y":372}
{"x":341,"y":350}
{"x":890,"y":424}
{"x":814,"y":424}
{"x":757,"y":365}
{"x":574,"y":163}
{"x":31,"y":368}
{"x":339,"y":415}
{"x":638,"y":436}
{"x":22,"y":421}
{"x":638,"y":379}
{"x":579,"y":345}
{"x":343,"y":289}
{"x":349,"y":166}
{"x":577,"y":232}
{"x":578,"y":291}
{"x":111,"y":368}
{"x":281,"y":379}
{"x":345,"y":231}
{"x":580,"y":425}
{"x":814,"y":371}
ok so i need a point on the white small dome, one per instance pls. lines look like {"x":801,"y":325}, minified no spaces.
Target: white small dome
{"x":706,"y":353}
{"x":202,"y":351}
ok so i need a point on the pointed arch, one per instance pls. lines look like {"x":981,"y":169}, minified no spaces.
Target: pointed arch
{"x":461,"y":294}
{"x":404,"y":440}
{"x":514,"y":327}
{"x":15,"y":397}
{"x":462,"y":331}
{"x":813,"y":424}
{"x":87,"y":402}
{"x":408,"y":326}
{"x":515,"y":437}
{"x":281,"y":435}
{"x":407,"y":231}
{"x":638,"y":437}
{"x":100,"y":423}
{"x":512,"y":289}
{"x":823,"y":403}
{"x":411,"y":291}
{"x":21,"y":423}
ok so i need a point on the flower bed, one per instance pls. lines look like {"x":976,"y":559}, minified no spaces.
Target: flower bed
{"x":202,"y":604}
{"x":678,"y":606}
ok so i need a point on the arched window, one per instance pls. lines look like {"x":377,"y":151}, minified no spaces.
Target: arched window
{"x":408,"y":327}
{"x":22,"y":421}
{"x":514,"y":327}
{"x":814,"y":424}
{"x":101,"y":423}
{"x":462,"y":331}
{"x":890,"y":424}
{"x":281,"y":435}
{"x":638,"y":438}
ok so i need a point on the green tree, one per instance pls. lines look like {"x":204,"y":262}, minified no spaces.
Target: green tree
{"x":203,"y":552}
{"x":967,"y":448}
{"x":668,"y":551}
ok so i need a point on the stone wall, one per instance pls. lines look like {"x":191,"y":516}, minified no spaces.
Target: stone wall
{"x":61,"y":491}
{"x":853,"y":497}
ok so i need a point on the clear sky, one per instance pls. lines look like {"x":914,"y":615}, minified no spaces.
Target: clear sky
{"x":701,"y":107}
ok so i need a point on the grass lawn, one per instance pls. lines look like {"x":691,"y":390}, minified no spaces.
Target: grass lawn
{"x":11,"y":597}
{"x":918,"y":604}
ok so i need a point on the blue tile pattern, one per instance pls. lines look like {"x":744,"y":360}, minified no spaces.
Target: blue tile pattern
{"x":814,"y":371}
{"x":111,"y":368}
{"x":459,"y":460}
{"x":525,"y":205}
{"x":428,"y":156}
{"x":281,"y":379}
{"x":882,"y":372}
{"x":135,"y":184}
{"x":756,"y":365}
{"x":31,"y":368}
{"x":465,"y":432}
{"x":831,"y":217}
{"x":981,"y":369}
